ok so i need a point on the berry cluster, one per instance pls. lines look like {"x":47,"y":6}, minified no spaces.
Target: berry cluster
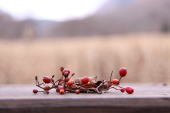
{"x":81,"y":85}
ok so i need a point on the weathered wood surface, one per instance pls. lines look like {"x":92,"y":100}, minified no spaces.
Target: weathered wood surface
{"x":154,"y":98}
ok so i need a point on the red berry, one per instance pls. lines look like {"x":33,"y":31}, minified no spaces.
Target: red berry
{"x":115,"y":81}
{"x":70,"y":83}
{"x":47,"y":88}
{"x":89,"y":83}
{"x":129,"y":90}
{"x":66,"y":73}
{"x":61,"y":91}
{"x":67,"y":79}
{"x":122,"y":90}
{"x":77,"y":91}
{"x":35,"y":91}
{"x":57,"y":89}
{"x":46,"y":79}
{"x":61,"y":69}
{"x":85,"y":80}
{"x":122,"y":71}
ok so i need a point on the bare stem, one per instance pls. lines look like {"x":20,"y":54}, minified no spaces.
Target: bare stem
{"x":111,"y":75}
{"x":120,"y":79}
{"x":115,"y":88}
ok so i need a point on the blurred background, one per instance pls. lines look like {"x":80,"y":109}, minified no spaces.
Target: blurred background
{"x":89,"y":37}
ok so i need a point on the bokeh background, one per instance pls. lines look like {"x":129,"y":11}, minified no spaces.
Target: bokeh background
{"x":89,"y":37}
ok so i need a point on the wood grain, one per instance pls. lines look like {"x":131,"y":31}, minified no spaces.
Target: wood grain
{"x":154,"y":98}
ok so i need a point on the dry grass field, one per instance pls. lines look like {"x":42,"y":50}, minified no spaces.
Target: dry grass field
{"x":147,"y":58}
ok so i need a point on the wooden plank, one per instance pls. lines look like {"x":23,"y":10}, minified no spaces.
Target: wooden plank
{"x":152,"y":98}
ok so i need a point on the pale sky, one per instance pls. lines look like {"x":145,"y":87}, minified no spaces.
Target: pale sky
{"x":50,"y":9}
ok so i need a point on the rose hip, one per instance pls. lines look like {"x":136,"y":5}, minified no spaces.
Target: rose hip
{"x":122,"y":90}
{"x":61,"y":91}
{"x":46,"y":79}
{"x":47,"y":88}
{"x":70,"y":83}
{"x":66,"y":73}
{"x":129,"y":90}
{"x":61,"y":69}
{"x":122,"y":71}
{"x":89,"y":83}
{"x":85,"y":80}
{"x":115,"y":82}
{"x":35,"y":91}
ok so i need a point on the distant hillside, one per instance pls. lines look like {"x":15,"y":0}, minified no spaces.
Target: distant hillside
{"x":28,"y":28}
{"x":132,"y":16}
{"x":112,"y":18}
